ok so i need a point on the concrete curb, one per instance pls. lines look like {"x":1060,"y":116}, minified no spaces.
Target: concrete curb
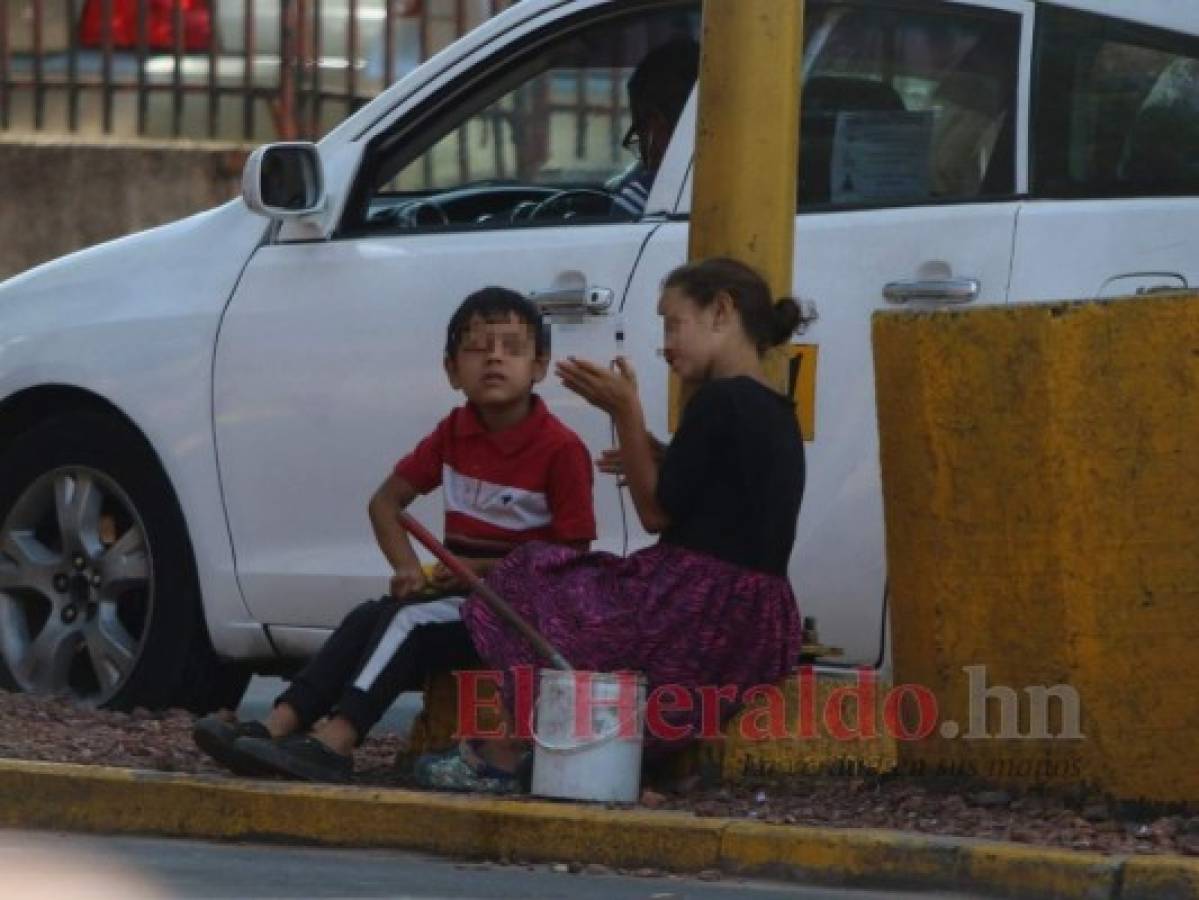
{"x":110,"y":800}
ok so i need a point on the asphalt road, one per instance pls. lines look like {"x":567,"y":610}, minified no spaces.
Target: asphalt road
{"x":79,"y":867}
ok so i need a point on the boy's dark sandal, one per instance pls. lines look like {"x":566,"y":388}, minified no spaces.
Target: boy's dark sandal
{"x":298,"y":756}
{"x":218,"y":738}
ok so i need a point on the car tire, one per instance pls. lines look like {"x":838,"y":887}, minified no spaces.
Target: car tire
{"x":99,"y":597}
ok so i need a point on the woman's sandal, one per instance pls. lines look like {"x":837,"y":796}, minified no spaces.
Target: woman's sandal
{"x":462,"y":768}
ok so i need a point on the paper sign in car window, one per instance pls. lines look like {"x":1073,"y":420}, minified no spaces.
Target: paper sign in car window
{"x":881,"y":156}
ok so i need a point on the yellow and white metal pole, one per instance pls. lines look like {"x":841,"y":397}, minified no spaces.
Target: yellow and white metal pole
{"x":747,"y":140}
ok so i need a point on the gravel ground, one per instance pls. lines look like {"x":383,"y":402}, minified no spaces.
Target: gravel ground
{"x":55,"y":730}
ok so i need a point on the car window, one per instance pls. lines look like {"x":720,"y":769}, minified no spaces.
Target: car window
{"x":551,"y":138}
{"x":904,"y":106}
{"x":1116,"y":111}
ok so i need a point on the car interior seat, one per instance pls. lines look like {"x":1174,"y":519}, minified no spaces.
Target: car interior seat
{"x":1161,"y":152}
{"x":999,"y":180}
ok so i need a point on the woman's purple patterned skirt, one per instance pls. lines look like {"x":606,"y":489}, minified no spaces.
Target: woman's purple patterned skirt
{"x":678,"y":617}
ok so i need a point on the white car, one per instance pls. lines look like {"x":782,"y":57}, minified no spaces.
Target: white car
{"x":193,"y":418}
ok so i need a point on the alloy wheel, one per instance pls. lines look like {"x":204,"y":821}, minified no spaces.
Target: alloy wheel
{"x":76,"y":586}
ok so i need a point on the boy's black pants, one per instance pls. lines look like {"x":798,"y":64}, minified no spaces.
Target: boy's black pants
{"x":381,"y":649}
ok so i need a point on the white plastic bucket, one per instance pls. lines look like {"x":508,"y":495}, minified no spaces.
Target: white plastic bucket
{"x":602,"y":763}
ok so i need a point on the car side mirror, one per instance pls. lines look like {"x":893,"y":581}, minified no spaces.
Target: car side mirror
{"x":284,"y":181}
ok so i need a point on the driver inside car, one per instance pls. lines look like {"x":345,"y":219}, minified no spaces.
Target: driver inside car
{"x":658,"y":91}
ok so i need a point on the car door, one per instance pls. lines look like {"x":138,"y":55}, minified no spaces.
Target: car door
{"x":329,"y":360}
{"x":1115,"y":182}
{"x":909,"y":179}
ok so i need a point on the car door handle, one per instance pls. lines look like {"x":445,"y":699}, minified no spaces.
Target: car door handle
{"x":590,"y":301}
{"x":948,"y":291}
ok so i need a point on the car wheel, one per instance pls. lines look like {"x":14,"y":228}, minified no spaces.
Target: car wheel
{"x":98,"y":592}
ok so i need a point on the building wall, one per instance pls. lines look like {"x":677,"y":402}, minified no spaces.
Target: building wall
{"x":60,"y":195}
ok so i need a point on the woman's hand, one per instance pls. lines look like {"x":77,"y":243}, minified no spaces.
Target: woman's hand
{"x":611,"y":461}
{"x":615,"y":392}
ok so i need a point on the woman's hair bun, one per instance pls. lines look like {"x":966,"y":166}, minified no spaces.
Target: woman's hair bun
{"x":786,"y":317}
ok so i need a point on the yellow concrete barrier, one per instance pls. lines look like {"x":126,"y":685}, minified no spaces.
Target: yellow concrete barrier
{"x":809,"y":746}
{"x":436,"y":725}
{"x":1160,"y":877}
{"x":1041,"y":482}
{"x":1016,"y":870}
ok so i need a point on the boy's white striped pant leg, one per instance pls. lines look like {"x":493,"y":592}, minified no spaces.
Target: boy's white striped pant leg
{"x":397,"y":632}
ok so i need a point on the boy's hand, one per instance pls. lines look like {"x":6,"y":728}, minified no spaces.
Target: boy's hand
{"x":445,"y":580}
{"x":408,"y":580}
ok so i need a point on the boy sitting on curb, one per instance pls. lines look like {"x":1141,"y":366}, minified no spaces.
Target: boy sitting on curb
{"x":511,"y":473}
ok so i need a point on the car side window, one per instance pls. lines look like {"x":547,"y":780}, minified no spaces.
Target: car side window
{"x":1116,"y":110}
{"x":903,"y":106}
{"x":557,"y":135}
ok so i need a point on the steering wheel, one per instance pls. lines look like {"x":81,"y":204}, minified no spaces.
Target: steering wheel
{"x":570,"y":201}
{"x":423,"y":213}
{"x":416,"y":214}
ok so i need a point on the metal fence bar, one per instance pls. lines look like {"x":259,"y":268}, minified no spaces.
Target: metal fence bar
{"x":279,"y":111}
{"x":615,"y":90}
{"x":247,"y":76}
{"x":497,"y":140}
{"x":72,"y":66}
{"x":581,"y":118}
{"x":463,"y":132}
{"x":39,"y":75}
{"x":143,"y":51}
{"x":214,"y":94}
{"x":5,"y":90}
{"x":352,"y":58}
{"x":129,"y":51}
{"x":317,"y":49}
{"x":177,"y":70}
{"x":389,"y":43}
{"x":284,"y":106}
{"x":425,"y":52}
{"x":106,"y":65}
{"x":300,"y":113}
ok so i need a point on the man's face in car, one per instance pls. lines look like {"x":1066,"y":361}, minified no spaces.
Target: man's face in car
{"x":649,"y":136}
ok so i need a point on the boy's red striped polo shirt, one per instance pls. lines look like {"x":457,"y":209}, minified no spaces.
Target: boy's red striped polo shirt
{"x":529,"y":482}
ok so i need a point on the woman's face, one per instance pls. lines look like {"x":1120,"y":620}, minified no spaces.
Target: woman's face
{"x":691,"y":336}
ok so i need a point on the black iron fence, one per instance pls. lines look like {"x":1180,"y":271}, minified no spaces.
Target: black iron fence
{"x":249,"y":70}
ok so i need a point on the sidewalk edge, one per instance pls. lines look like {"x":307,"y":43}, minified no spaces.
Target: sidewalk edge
{"x":69,"y":797}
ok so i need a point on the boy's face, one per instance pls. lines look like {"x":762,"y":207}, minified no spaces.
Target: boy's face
{"x":496,"y":363}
